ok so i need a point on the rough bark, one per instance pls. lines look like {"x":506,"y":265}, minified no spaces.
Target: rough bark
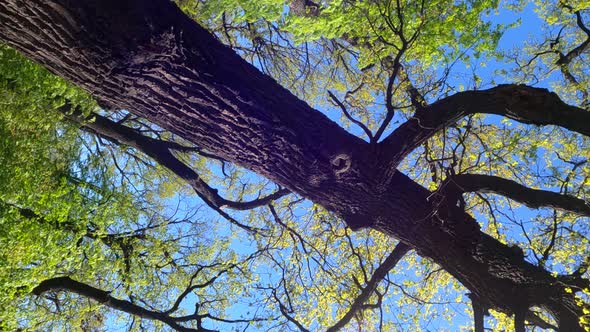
{"x":519,"y":322}
{"x":151,"y":59}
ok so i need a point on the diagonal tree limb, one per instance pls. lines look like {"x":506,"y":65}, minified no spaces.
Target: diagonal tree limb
{"x":389,"y":95}
{"x":564,"y":60}
{"x":518,"y":102}
{"x":105,"y":298}
{"x":349,"y":116}
{"x":533,"y":198}
{"x":285,"y":313}
{"x":575,"y":52}
{"x":389,"y":263}
{"x":160,"y":151}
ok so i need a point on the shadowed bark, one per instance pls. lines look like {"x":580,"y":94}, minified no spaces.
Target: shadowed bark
{"x":519,"y":322}
{"x":518,"y":102}
{"x":478,"y":314}
{"x":105,"y":298}
{"x":149,"y":58}
{"x":533,"y":198}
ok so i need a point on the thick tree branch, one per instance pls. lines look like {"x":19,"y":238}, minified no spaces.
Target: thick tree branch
{"x":160,"y":152}
{"x":519,"y":322}
{"x":105,"y":298}
{"x":518,"y":102}
{"x":533,"y":198}
{"x":285,"y":313}
{"x":478,"y":313}
{"x":389,"y":263}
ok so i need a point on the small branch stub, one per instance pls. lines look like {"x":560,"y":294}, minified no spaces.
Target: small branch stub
{"x":341,"y":164}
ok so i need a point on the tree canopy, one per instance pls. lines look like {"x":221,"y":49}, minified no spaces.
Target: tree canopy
{"x":294,"y":165}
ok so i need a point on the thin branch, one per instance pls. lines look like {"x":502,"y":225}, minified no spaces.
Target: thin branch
{"x":290,"y":229}
{"x":285,"y":312}
{"x":191,"y":287}
{"x":389,"y":263}
{"x":549,"y":248}
{"x":569,"y":57}
{"x":389,"y":95}
{"x":105,"y":298}
{"x":417,"y":99}
{"x":349,"y":117}
{"x":478,"y":314}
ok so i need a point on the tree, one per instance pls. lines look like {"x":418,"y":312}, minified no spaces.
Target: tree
{"x":153,"y":60}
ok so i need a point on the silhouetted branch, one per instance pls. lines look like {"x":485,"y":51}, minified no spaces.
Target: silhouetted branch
{"x":285,"y":313}
{"x":105,"y":298}
{"x":160,"y":151}
{"x":575,"y":52}
{"x":389,"y":263}
{"x":478,"y":313}
{"x":349,"y":117}
{"x":518,"y":102}
{"x":533,"y":198}
{"x":538,"y":321}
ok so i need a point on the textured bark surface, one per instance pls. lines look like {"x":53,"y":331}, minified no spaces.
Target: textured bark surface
{"x":149,"y":58}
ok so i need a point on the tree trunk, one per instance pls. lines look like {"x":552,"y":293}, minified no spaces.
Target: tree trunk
{"x":149,"y":58}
